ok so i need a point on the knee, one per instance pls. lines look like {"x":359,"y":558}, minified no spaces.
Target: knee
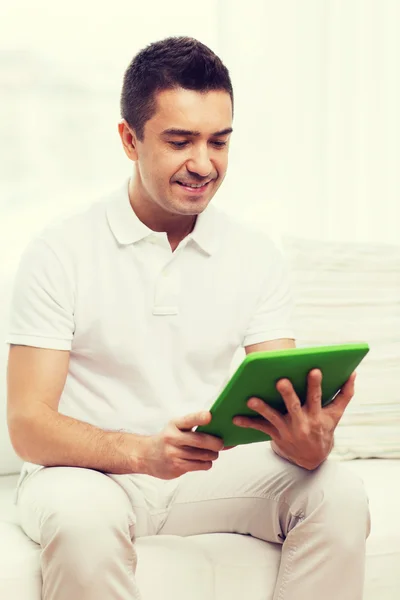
{"x":344,"y":488}
{"x":339,"y":496}
{"x":85,"y":547}
{"x":85,"y":522}
{"x":88,"y":533}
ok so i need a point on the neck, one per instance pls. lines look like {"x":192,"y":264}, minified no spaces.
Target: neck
{"x":177,"y":227}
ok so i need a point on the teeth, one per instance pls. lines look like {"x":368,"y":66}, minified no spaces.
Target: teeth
{"x":194,"y":186}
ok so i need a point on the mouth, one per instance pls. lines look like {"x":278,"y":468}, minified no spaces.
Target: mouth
{"x":194,"y":188}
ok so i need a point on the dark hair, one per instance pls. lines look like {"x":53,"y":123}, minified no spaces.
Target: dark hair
{"x":170,"y":63}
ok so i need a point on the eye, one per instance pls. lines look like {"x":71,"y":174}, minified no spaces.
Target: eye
{"x":179,"y":144}
{"x":218,"y":144}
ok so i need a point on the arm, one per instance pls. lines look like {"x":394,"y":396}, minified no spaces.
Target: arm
{"x":41,"y":435}
{"x":40,"y":335}
{"x":281,"y":344}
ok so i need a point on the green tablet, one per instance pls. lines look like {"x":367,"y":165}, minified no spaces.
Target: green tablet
{"x":258,"y":375}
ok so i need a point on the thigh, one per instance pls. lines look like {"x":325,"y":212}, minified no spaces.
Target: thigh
{"x":249,"y":490}
{"x":80,"y":496}
{"x":243,"y":484}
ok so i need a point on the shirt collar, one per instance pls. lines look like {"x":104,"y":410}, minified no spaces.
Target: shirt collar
{"x":128,"y":229}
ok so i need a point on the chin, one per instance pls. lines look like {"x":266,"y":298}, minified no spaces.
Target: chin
{"x":195,"y":207}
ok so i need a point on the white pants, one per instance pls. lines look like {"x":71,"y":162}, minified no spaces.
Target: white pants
{"x":86,"y":522}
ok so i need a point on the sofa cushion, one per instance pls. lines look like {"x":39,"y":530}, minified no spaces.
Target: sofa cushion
{"x":349,"y":292}
{"x":212,"y":566}
{"x":243,"y":567}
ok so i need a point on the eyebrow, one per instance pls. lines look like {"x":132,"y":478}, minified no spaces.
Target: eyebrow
{"x":174,"y":131}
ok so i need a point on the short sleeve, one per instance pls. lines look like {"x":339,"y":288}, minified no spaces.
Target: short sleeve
{"x":42,"y":305}
{"x":272,"y":315}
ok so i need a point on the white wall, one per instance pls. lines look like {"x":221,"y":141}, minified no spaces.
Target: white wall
{"x":317,"y":132}
{"x":316,"y":146}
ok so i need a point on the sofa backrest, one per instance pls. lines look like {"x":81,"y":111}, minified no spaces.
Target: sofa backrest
{"x":350,"y":292}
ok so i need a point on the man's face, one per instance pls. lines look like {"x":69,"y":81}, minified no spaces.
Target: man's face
{"x":195,"y":153}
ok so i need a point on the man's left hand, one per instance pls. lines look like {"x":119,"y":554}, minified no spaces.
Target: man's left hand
{"x":304,"y":435}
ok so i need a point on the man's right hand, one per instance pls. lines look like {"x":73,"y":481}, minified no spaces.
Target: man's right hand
{"x":177,"y":449}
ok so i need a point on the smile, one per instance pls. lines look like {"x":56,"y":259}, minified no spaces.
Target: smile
{"x":195,"y":186}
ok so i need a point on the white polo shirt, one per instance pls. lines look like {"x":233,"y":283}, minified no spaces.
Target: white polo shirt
{"x":151,"y":332}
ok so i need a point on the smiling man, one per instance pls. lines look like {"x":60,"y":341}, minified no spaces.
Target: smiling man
{"x":124,"y":323}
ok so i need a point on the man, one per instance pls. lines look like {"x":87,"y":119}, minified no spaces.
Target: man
{"x":124,"y":323}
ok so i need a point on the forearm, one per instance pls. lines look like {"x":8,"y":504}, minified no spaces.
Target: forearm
{"x":52,"y":439}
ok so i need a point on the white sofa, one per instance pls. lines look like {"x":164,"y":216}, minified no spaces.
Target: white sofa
{"x":229,"y":566}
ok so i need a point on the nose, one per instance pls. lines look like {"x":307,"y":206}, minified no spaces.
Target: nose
{"x":200,"y":162}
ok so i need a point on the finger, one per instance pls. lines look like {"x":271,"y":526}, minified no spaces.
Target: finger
{"x":339,"y":404}
{"x":199,"y":440}
{"x":291,"y":400}
{"x":314,"y":392}
{"x":197,"y":465}
{"x":187,"y":422}
{"x":188,"y":453}
{"x":266,"y":411}
{"x":258,"y":423}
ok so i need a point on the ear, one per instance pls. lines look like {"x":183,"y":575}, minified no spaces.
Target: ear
{"x":128,"y":139}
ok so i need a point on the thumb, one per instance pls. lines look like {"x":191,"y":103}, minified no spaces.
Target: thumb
{"x":187,"y":422}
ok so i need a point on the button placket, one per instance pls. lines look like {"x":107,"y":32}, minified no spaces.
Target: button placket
{"x":167,"y":291}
